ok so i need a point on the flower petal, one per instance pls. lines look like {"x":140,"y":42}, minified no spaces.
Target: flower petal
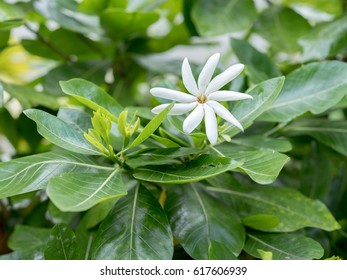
{"x":172,"y":94}
{"x":188,"y":78}
{"x":211,"y":124}
{"x":193,"y":119}
{"x":224,"y":78}
{"x":224,"y":113}
{"x":207,"y":72}
{"x":226,"y":95}
{"x":177,"y":109}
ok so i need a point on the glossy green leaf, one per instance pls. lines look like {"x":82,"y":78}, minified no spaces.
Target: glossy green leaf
{"x":203,"y":167}
{"x":126,"y":24}
{"x":283,"y":246}
{"x":92,"y":96}
{"x":263,"y":166}
{"x":159,"y":156}
{"x":32,"y":173}
{"x":282,"y":27}
{"x":261,"y":142}
{"x":143,"y":5}
{"x":330,"y":133}
{"x":79,"y":191}
{"x":315,"y":87}
{"x":261,"y":221}
{"x":204,"y":226}
{"x":60,"y":133}
{"x":29,"y":241}
{"x":325,"y":40}
{"x":330,"y":7}
{"x":137,"y":228}
{"x":293,"y":210}
{"x":62,"y":244}
{"x":264,"y":94}
{"x":223,"y":16}
{"x":79,"y":119}
{"x":152,"y":126}
{"x":259,"y":67}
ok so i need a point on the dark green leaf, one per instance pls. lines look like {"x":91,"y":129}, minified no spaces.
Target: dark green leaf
{"x":79,"y":191}
{"x":259,"y":67}
{"x":79,"y":119}
{"x":204,"y":226}
{"x":136,"y":228}
{"x":198,"y":169}
{"x":283,"y":246}
{"x":62,"y":244}
{"x":61,"y":133}
{"x":314,"y":87}
{"x":261,"y":142}
{"x":1,"y":95}
{"x":223,"y":16}
{"x":32,"y":173}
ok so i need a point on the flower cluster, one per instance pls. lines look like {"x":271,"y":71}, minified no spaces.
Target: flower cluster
{"x":204,"y":97}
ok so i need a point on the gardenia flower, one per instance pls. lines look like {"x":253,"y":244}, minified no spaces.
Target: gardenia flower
{"x":204,"y":97}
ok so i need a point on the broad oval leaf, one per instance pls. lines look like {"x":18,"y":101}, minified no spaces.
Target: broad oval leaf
{"x":80,"y":191}
{"x":264,"y":94}
{"x":263,"y":166}
{"x":203,"y":167}
{"x":313,"y":88}
{"x":293,"y":210}
{"x":32,"y":173}
{"x":92,"y":96}
{"x":283,"y":246}
{"x":136,"y":229}
{"x":60,"y":132}
{"x":204,"y":226}
{"x":62,"y":244}
{"x":261,"y":142}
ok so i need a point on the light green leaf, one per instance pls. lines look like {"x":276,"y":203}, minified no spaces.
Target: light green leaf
{"x":283,"y":246}
{"x":79,"y":119}
{"x":92,"y":96}
{"x":204,"y":226}
{"x":261,"y":221}
{"x":32,"y":173}
{"x":330,"y":7}
{"x":264,"y":94}
{"x":62,"y":244}
{"x":60,"y":133}
{"x":79,"y":191}
{"x":29,"y":241}
{"x":223,"y":16}
{"x":136,"y":229}
{"x":330,"y":133}
{"x":152,"y":126}
{"x":9,"y":24}
{"x":265,"y":255}
{"x":203,"y":167}
{"x":293,"y":210}
{"x":263,"y":166}
{"x":315,"y":87}
{"x":1,"y":95}
{"x":325,"y":40}
{"x":259,"y":67}
{"x":261,"y":142}
{"x":282,"y":27}
{"x":142,"y":5}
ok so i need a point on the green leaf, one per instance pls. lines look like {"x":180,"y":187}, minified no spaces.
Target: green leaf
{"x":152,"y":126}
{"x":62,"y":244}
{"x":283,"y":246}
{"x":127,"y":24}
{"x":60,"y":133}
{"x":79,"y":191}
{"x":203,"y":167}
{"x":330,"y":133}
{"x":1,"y":95}
{"x":264,"y":94}
{"x":282,"y":27}
{"x":330,"y":7}
{"x":263,"y":166}
{"x":79,"y":119}
{"x":92,"y":96}
{"x":261,"y":221}
{"x":261,"y":142}
{"x":325,"y":40}
{"x":143,"y":5}
{"x":136,"y":228}
{"x":9,"y":24}
{"x":223,"y":16}
{"x":315,"y":87}
{"x":29,"y":241}
{"x":32,"y":173}
{"x":259,"y":67}
{"x":204,"y":226}
{"x":293,"y":210}
{"x":159,"y":156}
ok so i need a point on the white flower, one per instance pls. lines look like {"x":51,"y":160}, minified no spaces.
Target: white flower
{"x":203,"y":98}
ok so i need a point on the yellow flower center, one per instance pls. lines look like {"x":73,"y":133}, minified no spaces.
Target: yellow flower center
{"x":202,"y":98}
